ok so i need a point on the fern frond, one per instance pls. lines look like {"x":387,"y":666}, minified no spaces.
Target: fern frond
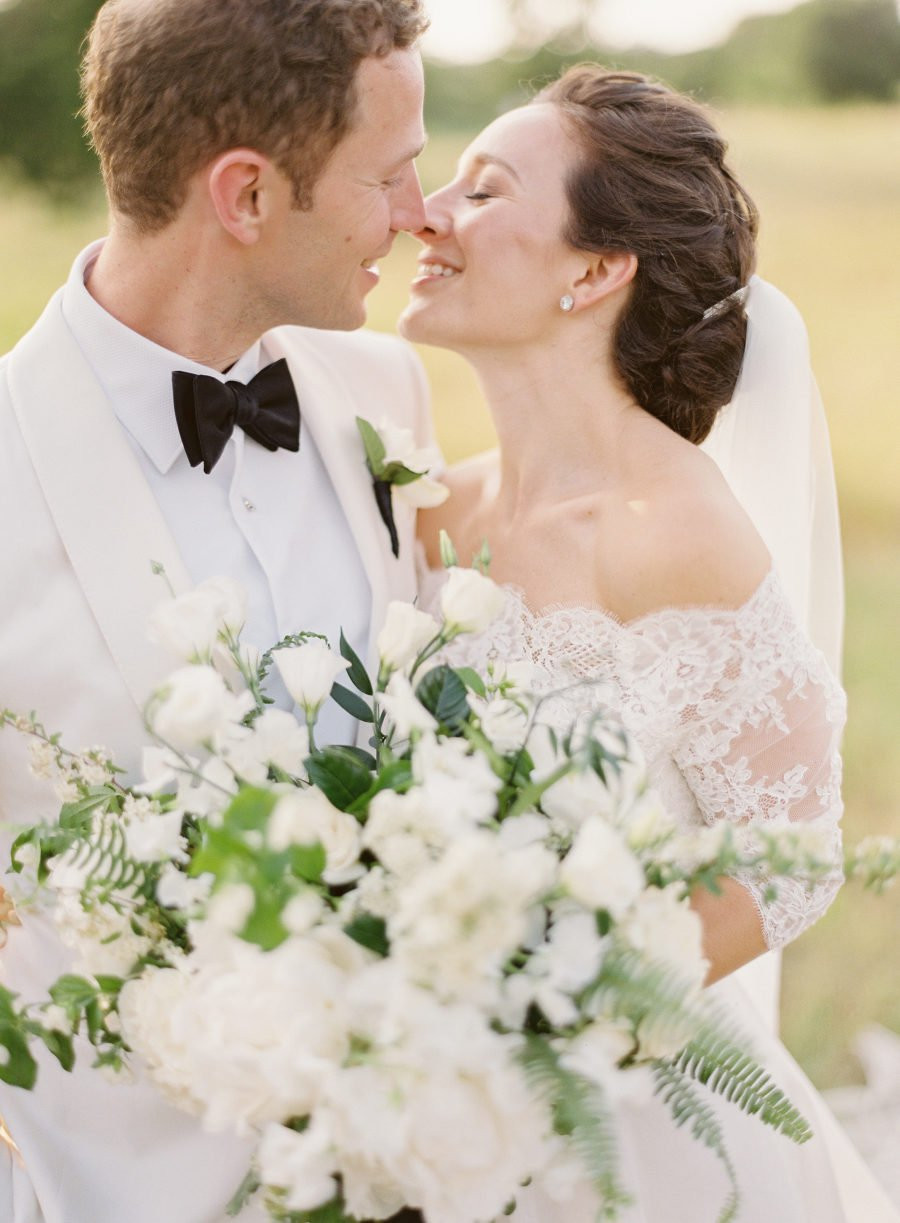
{"x":686,"y":1107}
{"x":581,"y":1114}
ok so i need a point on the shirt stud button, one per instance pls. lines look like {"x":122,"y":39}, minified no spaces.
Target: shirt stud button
{"x":248,"y":505}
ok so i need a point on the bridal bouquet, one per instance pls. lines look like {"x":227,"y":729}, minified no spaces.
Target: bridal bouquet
{"x":419,"y":973}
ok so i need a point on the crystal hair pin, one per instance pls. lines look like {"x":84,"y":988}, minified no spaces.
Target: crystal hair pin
{"x":739,"y":295}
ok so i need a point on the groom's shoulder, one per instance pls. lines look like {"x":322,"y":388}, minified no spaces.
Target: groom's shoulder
{"x":350,"y":349}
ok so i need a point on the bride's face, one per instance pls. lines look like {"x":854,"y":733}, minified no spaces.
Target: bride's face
{"x":494,"y":263}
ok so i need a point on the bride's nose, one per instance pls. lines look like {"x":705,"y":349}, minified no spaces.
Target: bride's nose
{"x":438,"y":216}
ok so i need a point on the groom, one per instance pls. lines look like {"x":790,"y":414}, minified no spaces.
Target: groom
{"x":258,"y":159}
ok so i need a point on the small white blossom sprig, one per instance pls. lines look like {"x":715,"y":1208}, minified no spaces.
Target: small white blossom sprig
{"x":397,"y":464}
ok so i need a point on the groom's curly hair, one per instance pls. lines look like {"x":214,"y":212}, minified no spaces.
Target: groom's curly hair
{"x":168,"y":85}
{"x":652,"y":181}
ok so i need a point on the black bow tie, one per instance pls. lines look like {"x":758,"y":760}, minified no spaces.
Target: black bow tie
{"x":208,"y":410}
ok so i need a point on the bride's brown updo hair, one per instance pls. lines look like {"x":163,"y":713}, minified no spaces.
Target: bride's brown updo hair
{"x":652,"y":181}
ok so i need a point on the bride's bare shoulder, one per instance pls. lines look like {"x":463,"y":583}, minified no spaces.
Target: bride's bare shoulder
{"x":469,"y":482}
{"x":694,"y":544}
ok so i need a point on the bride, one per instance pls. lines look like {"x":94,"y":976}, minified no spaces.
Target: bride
{"x":592,"y":261}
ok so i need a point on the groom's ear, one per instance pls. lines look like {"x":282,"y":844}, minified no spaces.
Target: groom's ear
{"x":603,"y":276}
{"x":241,"y":184}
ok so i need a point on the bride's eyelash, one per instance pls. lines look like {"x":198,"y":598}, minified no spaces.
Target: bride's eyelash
{"x":479,"y":195}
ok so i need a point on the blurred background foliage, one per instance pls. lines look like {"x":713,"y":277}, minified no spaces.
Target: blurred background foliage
{"x":808,"y":100}
{"x":823,"y":51}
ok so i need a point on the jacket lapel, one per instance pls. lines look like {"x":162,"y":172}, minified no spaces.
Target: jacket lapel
{"x":107,"y":517}
{"x":329,"y":412}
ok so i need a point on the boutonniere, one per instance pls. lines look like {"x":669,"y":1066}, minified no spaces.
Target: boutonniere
{"x":397,"y":465}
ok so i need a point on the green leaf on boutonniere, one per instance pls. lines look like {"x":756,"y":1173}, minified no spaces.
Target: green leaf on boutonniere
{"x":374,"y":446}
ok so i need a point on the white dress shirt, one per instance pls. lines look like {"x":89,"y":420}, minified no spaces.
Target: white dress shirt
{"x":270,"y":520}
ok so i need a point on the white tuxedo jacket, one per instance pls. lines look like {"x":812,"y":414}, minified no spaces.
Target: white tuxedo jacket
{"x":79,"y":530}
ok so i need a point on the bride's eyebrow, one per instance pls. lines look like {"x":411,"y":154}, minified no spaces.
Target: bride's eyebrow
{"x":489,"y":159}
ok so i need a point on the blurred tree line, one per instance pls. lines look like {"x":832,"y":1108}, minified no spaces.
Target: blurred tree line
{"x":821,"y":51}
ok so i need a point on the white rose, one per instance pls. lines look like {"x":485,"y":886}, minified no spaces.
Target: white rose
{"x":189,"y":624}
{"x":405,"y":633}
{"x":404,"y":709}
{"x":306,"y":817}
{"x":470,"y":601}
{"x":600,"y":870}
{"x":309,"y":671}
{"x":193,"y":707}
{"x":303,"y":1165}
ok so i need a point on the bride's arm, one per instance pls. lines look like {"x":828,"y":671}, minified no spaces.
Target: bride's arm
{"x":732,"y":930}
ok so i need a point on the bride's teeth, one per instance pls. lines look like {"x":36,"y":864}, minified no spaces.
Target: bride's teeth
{"x":437,"y":269}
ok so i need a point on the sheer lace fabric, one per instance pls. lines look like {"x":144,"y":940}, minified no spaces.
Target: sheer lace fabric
{"x":737,"y":713}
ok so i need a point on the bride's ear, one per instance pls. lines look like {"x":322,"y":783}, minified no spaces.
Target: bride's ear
{"x":603,"y":276}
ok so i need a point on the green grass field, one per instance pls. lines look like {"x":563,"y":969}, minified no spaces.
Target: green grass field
{"x":828,"y":187}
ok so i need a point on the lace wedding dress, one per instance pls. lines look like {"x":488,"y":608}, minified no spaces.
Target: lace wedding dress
{"x":739,"y":717}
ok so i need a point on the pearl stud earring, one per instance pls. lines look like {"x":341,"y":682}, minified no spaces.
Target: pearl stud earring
{"x":566,"y":302}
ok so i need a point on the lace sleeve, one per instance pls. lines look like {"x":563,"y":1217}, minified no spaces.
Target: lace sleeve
{"x":761,"y":722}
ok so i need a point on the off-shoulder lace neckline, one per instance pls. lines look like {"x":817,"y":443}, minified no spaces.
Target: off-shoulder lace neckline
{"x":596,"y":611}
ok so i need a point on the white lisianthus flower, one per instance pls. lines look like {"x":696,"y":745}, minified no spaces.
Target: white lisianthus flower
{"x":190,"y":623}
{"x":647,"y":825}
{"x":470,"y":601}
{"x":194,"y":707}
{"x":663,"y":926}
{"x":150,"y":834}
{"x":211,"y":794}
{"x":306,"y":817}
{"x":402,"y":831}
{"x":457,"y":784}
{"x":276,"y":738}
{"x":405,"y":634}
{"x":303,"y":1165}
{"x":575,"y":797}
{"x":406,"y":712}
{"x":600,"y":870}
{"x":504,"y":722}
{"x":309,"y":671}
{"x":564,"y":964}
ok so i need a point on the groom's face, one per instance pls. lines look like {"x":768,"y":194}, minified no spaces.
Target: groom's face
{"x":323,"y":260}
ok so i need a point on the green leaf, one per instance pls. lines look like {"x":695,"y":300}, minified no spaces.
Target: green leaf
{"x":17,"y":1066}
{"x":472,"y":680}
{"x":397,"y":473}
{"x":339,"y":774}
{"x":264,"y":925}
{"x":374,"y":446}
{"x":307,"y":862}
{"x":395,"y":776}
{"x":352,"y":704}
{"x":243,"y":1194}
{"x":249,"y":810}
{"x":443,"y":694}
{"x":356,"y":673}
{"x":60,"y":1045}
{"x":31,"y":836}
{"x":73,"y":993}
{"x":369,"y":931}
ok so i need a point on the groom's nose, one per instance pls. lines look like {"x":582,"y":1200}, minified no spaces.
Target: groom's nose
{"x":408,"y":210}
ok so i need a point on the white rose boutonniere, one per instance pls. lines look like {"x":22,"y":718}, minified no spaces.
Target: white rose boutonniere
{"x":397,"y":464}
